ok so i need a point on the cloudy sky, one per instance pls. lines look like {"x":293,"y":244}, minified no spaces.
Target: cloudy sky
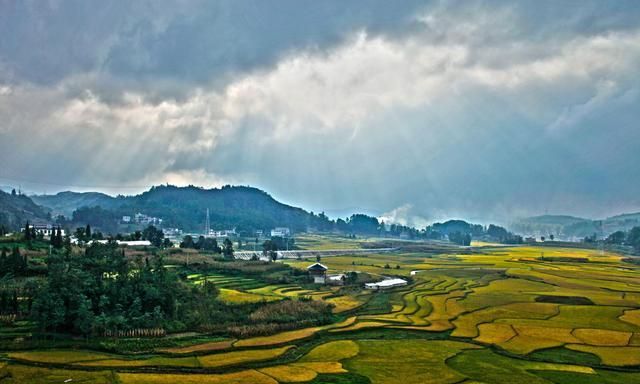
{"x":417,"y":111}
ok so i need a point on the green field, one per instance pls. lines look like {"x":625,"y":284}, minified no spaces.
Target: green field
{"x":499,"y":315}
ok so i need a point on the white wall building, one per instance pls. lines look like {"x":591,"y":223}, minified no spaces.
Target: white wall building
{"x":280,"y":232}
{"x":386,"y":284}
{"x":45,"y":229}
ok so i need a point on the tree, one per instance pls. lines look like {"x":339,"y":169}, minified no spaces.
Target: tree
{"x":460,"y":238}
{"x":551,"y":237}
{"x":56,"y":237}
{"x":633,"y":238}
{"x":227,"y":249}
{"x":13,"y":192}
{"x":80,"y":233}
{"x":27,"y":232}
{"x":187,"y":242}
{"x":270,"y":249}
{"x":87,"y":232}
{"x":84,"y":317}
{"x":318,"y":258}
{"x":617,"y":237}
{"x":154,"y":235}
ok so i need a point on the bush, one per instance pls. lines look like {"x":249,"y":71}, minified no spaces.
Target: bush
{"x":292,"y":311}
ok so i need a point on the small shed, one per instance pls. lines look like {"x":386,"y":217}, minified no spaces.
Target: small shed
{"x":336,"y":279}
{"x":318,"y":272}
{"x":386,"y":284}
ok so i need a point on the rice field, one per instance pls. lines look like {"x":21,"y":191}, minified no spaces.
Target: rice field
{"x":570,"y":315}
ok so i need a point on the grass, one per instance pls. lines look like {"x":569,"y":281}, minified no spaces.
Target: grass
{"x":466,"y":325}
{"x":240,"y":357}
{"x":562,"y":316}
{"x":488,"y":367}
{"x":234,"y":296}
{"x":562,"y":335}
{"x":631,"y":316}
{"x":602,"y":337}
{"x":210,"y":346}
{"x":332,"y":351}
{"x":290,"y":373}
{"x":279,"y":338}
{"x":492,"y":333}
{"x":614,"y":356}
{"x":599,"y":377}
{"x":21,"y":374}
{"x":59,"y":356}
{"x":190,"y":362}
{"x":407,"y":361}
{"x":566,"y":356}
{"x":344,"y":303}
{"x":242,"y":377}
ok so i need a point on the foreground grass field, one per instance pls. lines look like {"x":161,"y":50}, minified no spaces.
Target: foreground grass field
{"x":497,"y":315}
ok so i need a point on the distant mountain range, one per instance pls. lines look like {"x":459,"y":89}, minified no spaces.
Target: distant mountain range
{"x":570,"y":227}
{"x":64,"y":203}
{"x":16,"y":210}
{"x":244,"y":208}
{"x":185,"y":207}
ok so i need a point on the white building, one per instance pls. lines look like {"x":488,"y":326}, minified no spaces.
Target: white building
{"x":45,"y":229}
{"x":143,"y":219}
{"x":280,"y":232}
{"x":172,"y":232}
{"x":386,"y":284}
{"x":336,"y":279}
{"x":126,"y":219}
{"x":132,"y":243}
{"x":223,"y":233}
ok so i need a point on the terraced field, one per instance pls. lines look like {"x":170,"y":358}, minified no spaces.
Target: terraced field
{"x":528,"y":314}
{"x":237,"y":289}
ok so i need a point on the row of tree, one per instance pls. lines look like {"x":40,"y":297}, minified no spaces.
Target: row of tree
{"x":630,"y":238}
{"x":99,"y":292}
{"x":12,"y":262}
{"x":209,"y":244}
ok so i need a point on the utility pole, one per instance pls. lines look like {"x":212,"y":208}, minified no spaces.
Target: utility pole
{"x":207,"y":226}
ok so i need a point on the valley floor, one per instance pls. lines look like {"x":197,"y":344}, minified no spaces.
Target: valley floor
{"x":496,"y":315}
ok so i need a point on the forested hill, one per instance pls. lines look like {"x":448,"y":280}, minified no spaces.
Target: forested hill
{"x":16,"y":210}
{"x":185,"y":207}
{"x":574,"y":227}
{"x":64,"y":203}
{"x":229,"y":207}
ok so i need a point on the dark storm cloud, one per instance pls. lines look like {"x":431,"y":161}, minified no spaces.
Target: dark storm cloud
{"x":45,"y":42}
{"x":418,"y":110}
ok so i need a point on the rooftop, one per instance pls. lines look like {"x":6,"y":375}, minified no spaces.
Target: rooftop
{"x":317,"y":267}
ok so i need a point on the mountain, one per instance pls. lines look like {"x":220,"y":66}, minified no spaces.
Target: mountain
{"x":570,"y":227}
{"x":16,"y":210}
{"x":64,"y":203}
{"x":244,"y":208}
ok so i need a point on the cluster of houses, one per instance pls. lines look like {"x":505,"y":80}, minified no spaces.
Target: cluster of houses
{"x":44,"y":229}
{"x":142,"y":219}
{"x":318,"y":272}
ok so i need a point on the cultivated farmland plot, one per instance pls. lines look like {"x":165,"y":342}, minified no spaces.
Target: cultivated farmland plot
{"x":497,"y":316}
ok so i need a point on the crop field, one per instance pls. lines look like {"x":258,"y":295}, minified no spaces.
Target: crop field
{"x":497,"y":315}
{"x":237,"y":289}
{"x":324,"y":242}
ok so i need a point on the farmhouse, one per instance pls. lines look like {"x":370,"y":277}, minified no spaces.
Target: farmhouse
{"x":386,"y":284}
{"x":318,"y":272}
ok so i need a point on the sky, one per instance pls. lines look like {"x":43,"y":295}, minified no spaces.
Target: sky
{"x":413,"y":111}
